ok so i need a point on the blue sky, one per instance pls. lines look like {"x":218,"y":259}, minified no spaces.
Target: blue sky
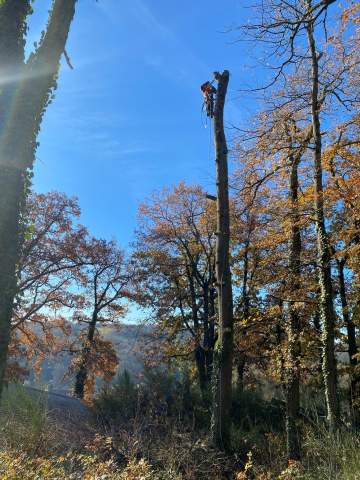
{"x":127,"y":120}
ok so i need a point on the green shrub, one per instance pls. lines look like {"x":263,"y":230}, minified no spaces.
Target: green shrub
{"x":118,"y":402}
{"x":250,"y":411}
{"x":158,"y":394}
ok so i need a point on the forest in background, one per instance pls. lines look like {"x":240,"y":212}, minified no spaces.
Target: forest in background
{"x":251,"y":374}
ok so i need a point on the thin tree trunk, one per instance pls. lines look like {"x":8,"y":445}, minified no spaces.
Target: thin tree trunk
{"x":280,"y":336}
{"x":240,"y":358}
{"x":22,"y":106}
{"x":244,"y":293}
{"x":352,"y":346}
{"x":325,"y":282}
{"x":208,"y":334}
{"x":293,"y":324}
{"x":354,"y":393}
{"x":240,"y":368}
{"x":212,"y":318}
{"x":200,"y":361}
{"x":199,"y":351}
{"x":221,"y":424}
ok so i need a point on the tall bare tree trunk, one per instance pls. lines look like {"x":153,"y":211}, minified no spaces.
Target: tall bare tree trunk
{"x":293,"y":323}
{"x":221,"y":424}
{"x":23,"y":102}
{"x":329,"y":369}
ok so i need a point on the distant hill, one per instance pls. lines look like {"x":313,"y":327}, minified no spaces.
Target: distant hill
{"x":127,"y":343}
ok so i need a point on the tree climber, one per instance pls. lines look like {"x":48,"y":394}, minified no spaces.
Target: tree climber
{"x":208,"y":91}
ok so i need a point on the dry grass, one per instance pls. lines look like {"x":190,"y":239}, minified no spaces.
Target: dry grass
{"x":157,"y":447}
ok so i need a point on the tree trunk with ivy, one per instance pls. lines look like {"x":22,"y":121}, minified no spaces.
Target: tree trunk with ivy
{"x":23,"y":102}
{"x":329,"y":369}
{"x":83,"y":371}
{"x":221,"y":421}
{"x":293,"y":322}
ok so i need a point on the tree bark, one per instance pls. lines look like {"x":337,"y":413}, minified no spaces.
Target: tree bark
{"x":221,"y":424}
{"x":11,"y":197}
{"x":82,"y":374}
{"x":329,"y":369}
{"x":352,"y":345}
{"x":22,"y":105}
{"x":293,"y":323}
{"x":13,"y":16}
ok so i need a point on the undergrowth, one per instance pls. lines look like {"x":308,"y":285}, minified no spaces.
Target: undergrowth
{"x":157,"y":445}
